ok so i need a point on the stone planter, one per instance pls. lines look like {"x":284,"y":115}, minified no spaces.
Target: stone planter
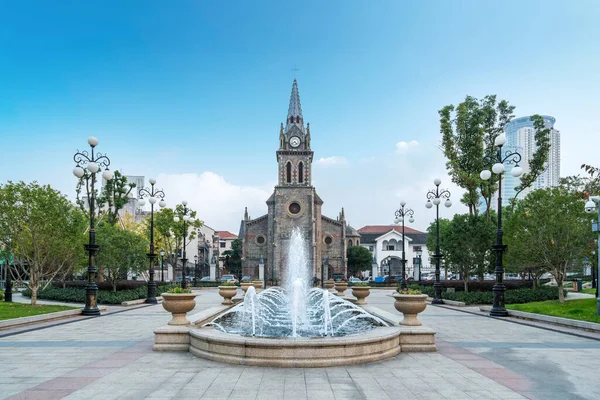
{"x":329,"y":285}
{"x":361,"y":293}
{"x":258,"y":284}
{"x":227,"y":293}
{"x":341,"y":288}
{"x":410,"y":305}
{"x":179,"y":304}
{"x":245,"y":286}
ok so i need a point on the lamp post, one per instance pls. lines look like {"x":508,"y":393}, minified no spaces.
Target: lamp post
{"x":591,"y":206}
{"x":186,"y":217}
{"x":434,"y":197}
{"x":7,"y":271}
{"x":162,"y":265}
{"x":401,"y":214}
{"x":196,"y":269}
{"x":498,"y":160}
{"x":93,"y":163}
{"x":153,"y":196}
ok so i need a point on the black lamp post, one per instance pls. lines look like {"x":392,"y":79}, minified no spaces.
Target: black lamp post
{"x":7,"y":271}
{"x":196,"y":269}
{"x":93,"y":162}
{"x":402,"y":213}
{"x":592,"y":206}
{"x":186,"y":217}
{"x":153,"y":196}
{"x":162,"y":265}
{"x":434,"y":197}
{"x":498,"y":309}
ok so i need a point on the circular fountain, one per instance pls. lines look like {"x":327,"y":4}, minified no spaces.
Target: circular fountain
{"x":295,"y":326}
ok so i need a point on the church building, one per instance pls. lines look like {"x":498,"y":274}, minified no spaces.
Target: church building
{"x":295,"y":203}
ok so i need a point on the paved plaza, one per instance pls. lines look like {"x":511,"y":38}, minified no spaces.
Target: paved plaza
{"x":111,"y":357}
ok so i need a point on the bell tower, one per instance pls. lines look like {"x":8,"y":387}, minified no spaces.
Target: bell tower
{"x":294,"y":157}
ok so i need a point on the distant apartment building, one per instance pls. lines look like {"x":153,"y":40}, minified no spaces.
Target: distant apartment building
{"x":520,"y":137}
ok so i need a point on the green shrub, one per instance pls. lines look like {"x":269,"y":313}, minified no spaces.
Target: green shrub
{"x":1,"y":294}
{"x":76,"y":295}
{"x":514,"y":296}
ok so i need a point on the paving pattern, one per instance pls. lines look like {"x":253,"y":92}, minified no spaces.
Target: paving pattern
{"x":111,"y":357}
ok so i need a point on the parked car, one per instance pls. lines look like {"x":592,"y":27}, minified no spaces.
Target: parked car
{"x":380,"y":279}
{"x":354,"y":279}
{"x":246,"y":278}
{"x":338,"y":277}
{"x":205,"y":279}
{"x":229,"y":279}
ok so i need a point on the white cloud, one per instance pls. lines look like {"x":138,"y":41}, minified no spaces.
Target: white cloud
{"x":334,"y":160}
{"x":403,"y":147}
{"x":219,"y":204}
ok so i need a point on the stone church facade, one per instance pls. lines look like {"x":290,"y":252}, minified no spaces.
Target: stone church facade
{"x":295,"y":203}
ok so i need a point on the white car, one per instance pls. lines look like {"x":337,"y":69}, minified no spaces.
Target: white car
{"x":354,"y":280}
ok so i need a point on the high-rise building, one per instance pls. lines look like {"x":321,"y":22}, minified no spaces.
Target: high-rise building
{"x":520,"y":137}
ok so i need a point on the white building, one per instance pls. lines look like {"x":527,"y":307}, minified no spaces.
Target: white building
{"x":385,"y":243}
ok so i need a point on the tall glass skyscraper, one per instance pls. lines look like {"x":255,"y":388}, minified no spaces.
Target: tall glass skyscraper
{"x":520,"y":136}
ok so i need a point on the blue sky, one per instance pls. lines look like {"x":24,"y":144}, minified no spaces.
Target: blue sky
{"x":194,"y":93}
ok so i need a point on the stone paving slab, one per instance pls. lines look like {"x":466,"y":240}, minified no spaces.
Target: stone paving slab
{"x":111,"y":357}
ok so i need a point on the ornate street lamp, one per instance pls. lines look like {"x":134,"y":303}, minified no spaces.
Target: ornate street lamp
{"x":401,"y":214}
{"x":591,"y":206}
{"x":186,"y":217}
{"x":162,"y":265}
{"x":153,"y":196}
{"x":498,"y":161}
{"x":7,"y":272}
{"x":93,"y":162}
{"x":434,"y":197}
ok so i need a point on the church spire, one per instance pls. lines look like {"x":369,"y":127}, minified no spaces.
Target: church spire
{"x":294,"y":117}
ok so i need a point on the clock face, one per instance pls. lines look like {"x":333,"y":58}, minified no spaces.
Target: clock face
{"x":294,"y":141}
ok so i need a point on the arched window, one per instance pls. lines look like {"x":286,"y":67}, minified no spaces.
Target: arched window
{"x":385,"y":245}
{"x":301,"y":172}
{"x":392,"y":245}
{"x":298,"y":119}
{"x":349,"y":243}
{"x":288,"y":172}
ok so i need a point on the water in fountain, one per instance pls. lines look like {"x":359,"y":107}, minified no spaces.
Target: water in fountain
{"x":294,"y":310}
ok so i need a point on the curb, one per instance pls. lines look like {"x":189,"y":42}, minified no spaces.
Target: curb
{"x":139,"y":301}
{"x":11,"y":323}
{"x":570,"y":323}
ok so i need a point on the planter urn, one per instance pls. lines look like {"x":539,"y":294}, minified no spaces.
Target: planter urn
{"x":244,"y":286}
{"x":341,"y":288}
{"x":227,"y":293}
{"x":410,"y":305}
{"x":179,"y":304}
{"x":329,"y":285}
{"x":361,"y":293}
{"x":257,"y":284}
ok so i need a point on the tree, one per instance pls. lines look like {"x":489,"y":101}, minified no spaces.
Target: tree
{"x":45,"y":232}
{"x":431,"y":238}
{"x":121,"y":251}
{"x":112,"y":198}
{"x":548,"y":231}
{"x":466,"y":246}
{"x":465,"y":136}
{"x":233,"y":257}
{"x":169,"y":234}
{"x":359,"y":259}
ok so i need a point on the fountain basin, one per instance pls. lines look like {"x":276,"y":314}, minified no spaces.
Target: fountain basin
{"x":374,"y":345}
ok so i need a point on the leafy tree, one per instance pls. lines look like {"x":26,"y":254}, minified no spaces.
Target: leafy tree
{"x":121,"y":251}
{"x":466,"y":245}
{"x":359,"y":259}
{"x":233,"y":258}
{"x":45,"y":232}
{"x":548,"y":231}
{"x":169,"y":234}
{"x":465,"y":135}
{"x":113,"y":197}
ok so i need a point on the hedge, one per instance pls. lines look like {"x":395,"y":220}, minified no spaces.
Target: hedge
{"x":77,"y":295}
{"x":512,"y":296}
{"x":121,"y":285}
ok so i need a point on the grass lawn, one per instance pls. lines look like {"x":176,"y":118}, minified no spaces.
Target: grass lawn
{"x":581,"y":309}
{"x":589,"y":291}
{"x":17,"y":310}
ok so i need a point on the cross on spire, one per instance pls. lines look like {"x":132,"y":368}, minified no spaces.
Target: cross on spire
{"x":295,"y":69}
